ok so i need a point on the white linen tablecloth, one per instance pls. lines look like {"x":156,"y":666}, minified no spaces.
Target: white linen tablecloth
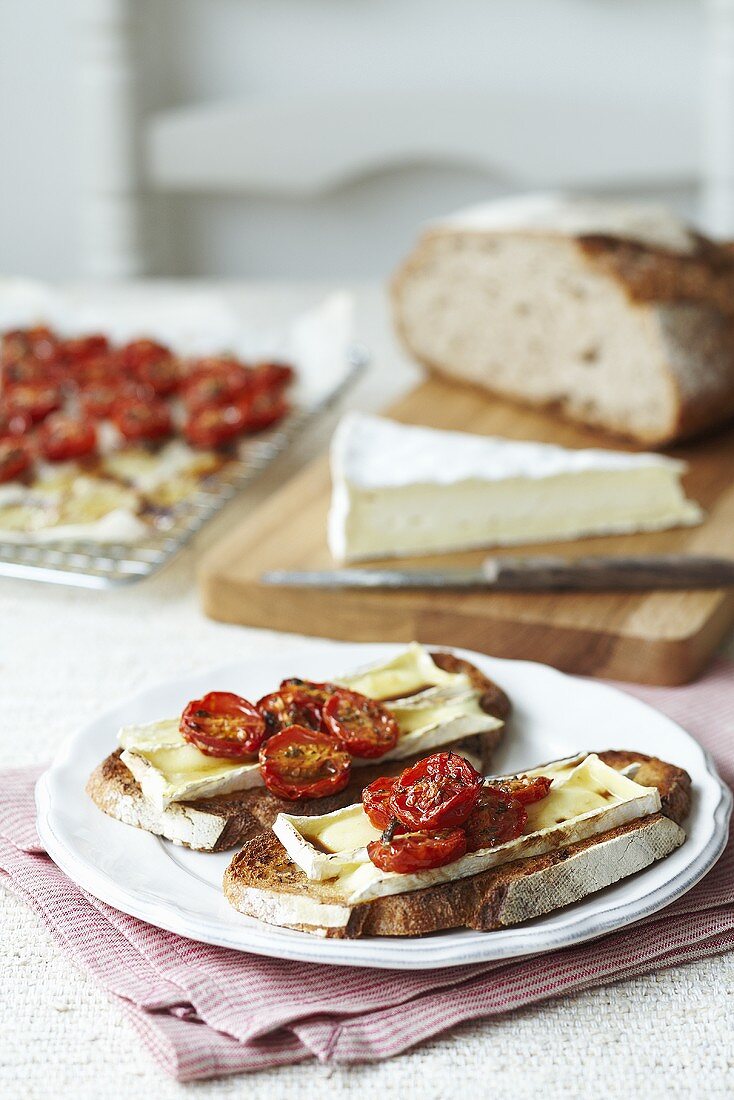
{"x":66,"y":653}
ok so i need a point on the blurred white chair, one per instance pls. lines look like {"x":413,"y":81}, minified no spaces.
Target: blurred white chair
{"x":307,"y":145}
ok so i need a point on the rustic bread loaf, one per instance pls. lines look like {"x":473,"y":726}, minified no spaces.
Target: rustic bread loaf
{"x":617,"y":315}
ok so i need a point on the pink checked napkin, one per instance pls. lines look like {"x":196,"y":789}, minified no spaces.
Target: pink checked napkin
{"x":204,"y":1011}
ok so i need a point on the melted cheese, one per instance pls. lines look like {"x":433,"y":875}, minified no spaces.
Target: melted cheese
{"x":586,"y":799}
{"x":409,"y":672}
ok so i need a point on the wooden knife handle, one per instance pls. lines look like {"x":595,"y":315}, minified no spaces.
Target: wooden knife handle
{"x":608,"y":573}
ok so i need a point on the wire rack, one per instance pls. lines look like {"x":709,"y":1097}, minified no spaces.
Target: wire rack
{"x":94,"y":565}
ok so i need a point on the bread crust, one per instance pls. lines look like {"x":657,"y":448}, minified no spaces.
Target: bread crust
{"x":687,"y":297}
{"x":227,"y":820}
{"x":484,"y":902}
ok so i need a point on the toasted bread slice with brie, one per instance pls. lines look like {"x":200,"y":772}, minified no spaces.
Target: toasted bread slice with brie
{"x":213,"y":811}
{"x":310,"y":879}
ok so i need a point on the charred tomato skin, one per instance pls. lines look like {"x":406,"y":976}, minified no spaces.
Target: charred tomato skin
{"x":406,"y":853}
{"x":300,"y":763}
{"x":223,"y":724}
{"x":438,"y":792}
{"x":362,"y":725}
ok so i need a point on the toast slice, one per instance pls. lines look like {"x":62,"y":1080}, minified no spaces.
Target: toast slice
{"x":224,"y":821}
{"x":263,"y":882}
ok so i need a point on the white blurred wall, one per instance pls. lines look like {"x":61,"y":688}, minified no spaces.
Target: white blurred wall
{"x":219,"y":49}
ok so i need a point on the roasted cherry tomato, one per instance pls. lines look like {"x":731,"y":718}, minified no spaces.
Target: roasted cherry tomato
{"x":37,"y":401}
{"x":312,"y":687}
{"x":223,"y":724}
{"x":496,"y":818}
{"x":292,"y":706}
{"x":261,"y":408}
{"x":153,"y":364}
{"x":438,"y":792}
{"x":142,"y":420}
{"x":376,"y":801}
{"x":409,"y":852}
{"x":13,"y":422}
{"x":272,"y":375}
{"x":98,"y":399}
{"x":80,"y":349}
{"x":362,"y":725}
{"x":137,"y":353}
{"x":15,"y":459}
{"x":39,"y":343}
{"x":303,"y":763}
{"x":526,"y":789}
{"x":216,"y":387}
{"x":63,"y":437}
{"x":214,"y":426}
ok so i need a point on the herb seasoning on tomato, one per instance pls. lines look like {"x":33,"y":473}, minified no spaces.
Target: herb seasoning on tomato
{"x":62,"y":438}
{"x":437,"y":792}
{"x":303,"y":763}
{"x":409,"y":852}
{"x":223,"y":724}
{"x":361,"y":724}
{"x":496,"y":818}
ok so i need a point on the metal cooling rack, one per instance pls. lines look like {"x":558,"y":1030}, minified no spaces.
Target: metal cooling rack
{"x":93,"y":565}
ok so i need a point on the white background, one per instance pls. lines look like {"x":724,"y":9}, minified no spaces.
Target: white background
{"x":648,"y":51}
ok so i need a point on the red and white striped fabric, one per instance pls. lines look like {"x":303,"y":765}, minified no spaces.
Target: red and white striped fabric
{"x":204,"y":1011}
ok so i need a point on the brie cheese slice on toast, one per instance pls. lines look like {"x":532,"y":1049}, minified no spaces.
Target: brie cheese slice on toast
{"x":605,"y":817}
{"x":399,"y":489}
{"x":433,"y":708}
{"x":585,"y":799}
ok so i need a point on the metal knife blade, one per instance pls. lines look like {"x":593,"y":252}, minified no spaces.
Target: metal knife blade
{"x":529,"y":574}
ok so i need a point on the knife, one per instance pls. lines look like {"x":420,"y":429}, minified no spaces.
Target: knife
{"x":531,"y":574}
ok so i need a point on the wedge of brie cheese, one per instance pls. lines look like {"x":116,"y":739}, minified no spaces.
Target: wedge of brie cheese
{"x":587,"y":798}
{"x":434,"y":708}
{"x":403,"y":490}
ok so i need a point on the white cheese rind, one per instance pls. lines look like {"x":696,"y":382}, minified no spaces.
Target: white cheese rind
{"x":586,"y":787}
{"x":404,"y":490}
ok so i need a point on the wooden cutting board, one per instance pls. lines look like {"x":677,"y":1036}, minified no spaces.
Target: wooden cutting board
{"x":660,"y":637}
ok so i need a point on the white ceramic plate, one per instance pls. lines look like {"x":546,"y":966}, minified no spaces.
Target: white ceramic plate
{"x":555,"y":716}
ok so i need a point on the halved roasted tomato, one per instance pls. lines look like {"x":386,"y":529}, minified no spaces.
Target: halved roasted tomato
{"x":292,"y":706}
{"x":376,"y":801}
{"x":15,"y":459}
{"x":408,"y":852}
{"x":304,"y":763}
{"x":142,"y":420}
{"x":64,"y":437}
{"x":527,"y":789}
{"x":214,"y":426}
{"x":496,"y":818}
{"x":13,"y":422}
{"x":272,"y":375}
{"x":262,"y":408}
{"x":80,"y":349}
{"x":222,"y":385}
{"x":223,"y":724}
{"x":361,"y":724}
{"x":438,"y":792}
{"x":36,"y":400}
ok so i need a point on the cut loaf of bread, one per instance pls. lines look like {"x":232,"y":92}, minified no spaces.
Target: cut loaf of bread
{"x":224,"y":821}
{"x":263,"y":882}
{"x":618,"y":316}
